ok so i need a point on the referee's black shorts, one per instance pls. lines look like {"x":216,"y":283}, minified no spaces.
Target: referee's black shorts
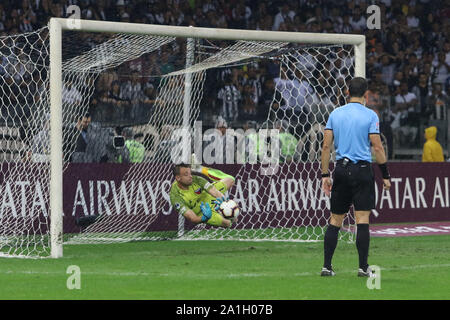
{"x":352,"y":184}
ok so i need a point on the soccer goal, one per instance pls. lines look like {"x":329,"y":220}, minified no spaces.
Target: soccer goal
{"x":51,"y":80}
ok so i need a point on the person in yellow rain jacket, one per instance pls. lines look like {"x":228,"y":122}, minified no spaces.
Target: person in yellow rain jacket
{"x":432,"y":150}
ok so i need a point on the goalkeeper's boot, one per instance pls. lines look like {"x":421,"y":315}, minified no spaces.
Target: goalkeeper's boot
{"x":327,"y":272}
{"x":368,"y":273}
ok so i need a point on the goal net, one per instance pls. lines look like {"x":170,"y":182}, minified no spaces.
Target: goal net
{"x":160,"y":82}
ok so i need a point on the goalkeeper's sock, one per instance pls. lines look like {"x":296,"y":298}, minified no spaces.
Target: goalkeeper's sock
{"x":362,"y":244}
{"x":329,"y":244}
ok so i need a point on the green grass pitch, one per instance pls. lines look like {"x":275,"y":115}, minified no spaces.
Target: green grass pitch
{"x":411,"y":268}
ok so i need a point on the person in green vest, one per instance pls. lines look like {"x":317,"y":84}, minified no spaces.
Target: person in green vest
{"x":136,"y":149}
{"x":288,"y":143}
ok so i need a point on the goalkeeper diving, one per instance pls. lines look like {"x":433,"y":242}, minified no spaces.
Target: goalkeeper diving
{"x":197,"y":199}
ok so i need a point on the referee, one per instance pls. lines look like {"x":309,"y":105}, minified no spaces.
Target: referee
{"x":354,"y":129}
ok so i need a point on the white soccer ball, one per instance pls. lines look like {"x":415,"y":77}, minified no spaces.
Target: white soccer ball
{"x":229,"y":209}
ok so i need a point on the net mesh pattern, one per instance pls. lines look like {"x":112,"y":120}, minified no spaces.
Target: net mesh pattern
{"x":289,"y":205}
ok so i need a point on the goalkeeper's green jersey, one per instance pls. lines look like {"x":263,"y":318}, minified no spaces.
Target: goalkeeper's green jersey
{"x":190,"y":199}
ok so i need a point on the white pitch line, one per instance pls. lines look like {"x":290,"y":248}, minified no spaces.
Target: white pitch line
{"x":215,"y":276}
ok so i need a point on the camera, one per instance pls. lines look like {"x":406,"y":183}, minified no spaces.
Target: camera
{"x":118,"y":142}
{"x":114,"y":140}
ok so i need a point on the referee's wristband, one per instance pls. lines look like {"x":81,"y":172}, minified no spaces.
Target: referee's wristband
{"x":384,"y":170}
{"x":325,"y":175}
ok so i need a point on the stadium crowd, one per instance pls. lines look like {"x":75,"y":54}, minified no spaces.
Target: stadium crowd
{"x":408,"y":59}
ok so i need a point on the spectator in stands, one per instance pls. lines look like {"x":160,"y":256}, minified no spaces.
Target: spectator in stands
{"x":412,"y":70}
{"x":285,"y":15}
{"x":447,"y":51}
{"x":296,"y":91}
{"x":105,"y":80}
{"x":165,"y":146}
{"x":132,"y":91}
{"x":153,"y":68}
{"x":261,"y":11}
{"x":114,"y":103}
{"x":101,"y":11}
{"x":200,"y":18}
{"x":150,"y":96}
{"x":438,"y":110}
{"x":432,"y":150}
{"x":441,"y":68}
{"x":71,"y":95}
{"x":240,"y":16}
{"x":297,"y":94}
{"x":357,"y":21}
{"x":40,"y":147}
{"x":405,"y":126}
{"x":57,"y":9}
{"x":405,"y":99}
{"x":338,"y":98}
{"x":398,"y":79}
{"x":411,"y":19}
{"x":82,"y":141}
{"x":248,"y":110}
{"x":254,"y":80}
{"x":229,"y":99}
{"x":346,"y":26}
{"x":373,"y":99}
{"x":28,"y":17}
{"x":422,"y":92}
{"x":321,"y":107}
{"x":265,"y":23}
{"x":387,"y":68}
{"x":166,"y":65}
{"x":269,"y":103}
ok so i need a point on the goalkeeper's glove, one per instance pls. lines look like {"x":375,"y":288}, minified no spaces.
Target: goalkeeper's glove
{"x":206,"y":210}
{"x":219,"y":201}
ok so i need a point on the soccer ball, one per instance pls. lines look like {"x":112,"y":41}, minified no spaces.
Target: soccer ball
{"x":229,"y":209}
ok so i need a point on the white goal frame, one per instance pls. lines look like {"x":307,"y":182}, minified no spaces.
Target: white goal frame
{"x":58,"y":25}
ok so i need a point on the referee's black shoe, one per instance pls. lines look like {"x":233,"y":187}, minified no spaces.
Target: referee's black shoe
{"x":327,"y":272}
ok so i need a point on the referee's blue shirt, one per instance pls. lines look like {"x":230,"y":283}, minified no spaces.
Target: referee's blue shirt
{"x":351,"y":125}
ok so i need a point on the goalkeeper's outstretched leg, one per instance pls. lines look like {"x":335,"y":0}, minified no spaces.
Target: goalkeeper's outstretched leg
{"x":214,"y":175}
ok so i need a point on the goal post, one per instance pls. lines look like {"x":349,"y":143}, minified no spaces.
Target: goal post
{"x":179,"y":107}
{"x":56,"y":140}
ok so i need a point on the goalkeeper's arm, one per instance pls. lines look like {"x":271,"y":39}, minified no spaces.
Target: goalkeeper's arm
{"x":219,"y":197}
{"x":214,"y":192}
{"x":206,"y":214}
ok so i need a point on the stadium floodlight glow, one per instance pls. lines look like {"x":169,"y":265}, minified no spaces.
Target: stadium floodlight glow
{"x":179,"y":96}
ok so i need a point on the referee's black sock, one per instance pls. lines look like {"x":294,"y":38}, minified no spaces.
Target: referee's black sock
{"x":362,"y":244}
{"x":329,"y":244}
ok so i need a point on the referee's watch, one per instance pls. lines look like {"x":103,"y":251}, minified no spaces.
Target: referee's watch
{"x":325,"y":175}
